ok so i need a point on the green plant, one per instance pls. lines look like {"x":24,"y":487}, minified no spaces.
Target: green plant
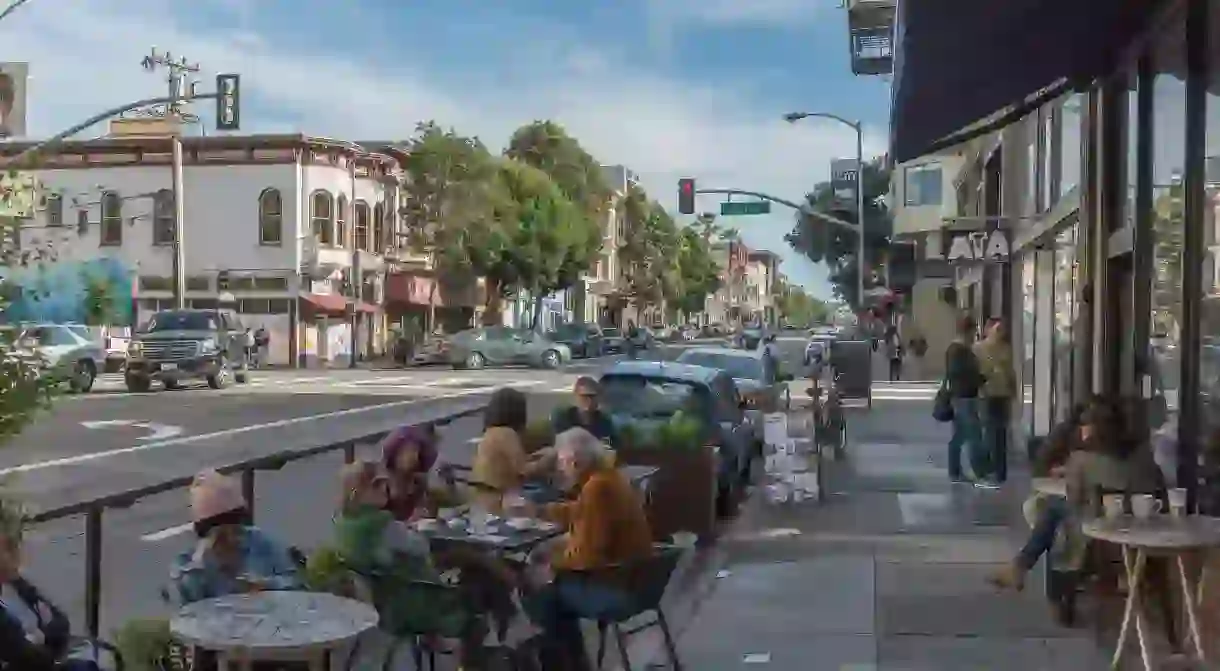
{"x":146,"y":644}
{"x":680,"y":432}
{"x":325,"y":571}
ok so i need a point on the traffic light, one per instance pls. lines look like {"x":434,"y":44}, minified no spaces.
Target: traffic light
{"x":686,"y":196}
{"x":228,"y":102}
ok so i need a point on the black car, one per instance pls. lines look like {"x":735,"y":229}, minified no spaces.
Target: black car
{"x":585,"y":340}
{"x":613,"y":341}
{"x":751,"y":338}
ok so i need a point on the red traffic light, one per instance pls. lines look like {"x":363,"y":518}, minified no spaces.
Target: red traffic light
{"x":686,"y":196}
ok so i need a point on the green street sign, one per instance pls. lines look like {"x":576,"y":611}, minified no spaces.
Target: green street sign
{"x":750,"y":207}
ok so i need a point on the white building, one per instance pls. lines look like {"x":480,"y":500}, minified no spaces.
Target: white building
{"x":271,"y":219}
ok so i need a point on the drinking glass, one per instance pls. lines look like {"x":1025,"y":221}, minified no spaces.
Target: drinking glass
{"x":1177,"y":501}
{"x":478,"y":519}
{"x":1113,"y":504}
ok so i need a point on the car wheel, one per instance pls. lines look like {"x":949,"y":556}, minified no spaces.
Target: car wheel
{"x":137,"y":384}
{"x":83,"y":375}
{"x":221,"y":379}
{"x":551,"y":359}
{"x":475,"y":361}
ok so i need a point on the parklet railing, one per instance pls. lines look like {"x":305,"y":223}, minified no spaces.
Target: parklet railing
{"x":93,"y":509}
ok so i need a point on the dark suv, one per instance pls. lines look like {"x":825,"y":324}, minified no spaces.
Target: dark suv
{"x":178,"y":345}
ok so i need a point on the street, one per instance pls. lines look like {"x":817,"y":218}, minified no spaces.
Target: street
{"x":111,"y":441}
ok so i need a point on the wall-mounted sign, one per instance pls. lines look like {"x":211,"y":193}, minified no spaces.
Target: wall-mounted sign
{"x":843,"y":180}
{"x":967,"y":246}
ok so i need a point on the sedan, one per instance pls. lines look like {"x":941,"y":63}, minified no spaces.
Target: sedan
{"x":501,"y":345}
{"x":585,"y":340}
{"x":613,"y":341}
{"x":762,"y":386}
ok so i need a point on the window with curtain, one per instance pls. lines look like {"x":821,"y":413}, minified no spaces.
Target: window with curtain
{"x":322,"y":217}
{"x":345,"y":215}
{"x":270,"y":217}
{"x":111,"y":234}
{"x":361,"y":226}
{"x":163,"y":218}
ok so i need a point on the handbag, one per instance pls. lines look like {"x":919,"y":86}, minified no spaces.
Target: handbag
{"x":942,"y":404}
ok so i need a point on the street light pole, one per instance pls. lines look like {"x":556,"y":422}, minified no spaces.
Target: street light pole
{"x":858,"y":127}
{"x":12,"y":7}
{"x":179,"y":70}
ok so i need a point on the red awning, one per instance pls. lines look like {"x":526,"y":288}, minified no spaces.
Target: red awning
{"x":334,"y":303}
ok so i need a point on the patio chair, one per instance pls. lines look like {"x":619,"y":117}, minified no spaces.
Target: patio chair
{"x":645,"y":582}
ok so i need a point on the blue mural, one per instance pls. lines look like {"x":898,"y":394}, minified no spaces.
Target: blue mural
{"x":70,"y":292}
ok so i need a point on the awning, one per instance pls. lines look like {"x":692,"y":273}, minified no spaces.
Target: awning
{"x":333,"y":303}
{"x":964,"y":68}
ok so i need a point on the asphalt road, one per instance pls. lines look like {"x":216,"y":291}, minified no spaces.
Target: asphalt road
{"x":65,"y":458}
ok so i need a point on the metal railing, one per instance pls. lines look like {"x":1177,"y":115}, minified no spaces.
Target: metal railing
{"x":93,"y":509}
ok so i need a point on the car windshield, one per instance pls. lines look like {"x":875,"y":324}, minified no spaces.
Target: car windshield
{"x":610,"y":332}
{"x":181,"y":321}
{"x":740,"y":367}
{"x":638,"y":396}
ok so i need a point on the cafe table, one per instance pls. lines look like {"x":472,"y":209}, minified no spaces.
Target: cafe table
{"x":498,"y":535}
{"x":1159,"y":535}
{"x":272,"y":626}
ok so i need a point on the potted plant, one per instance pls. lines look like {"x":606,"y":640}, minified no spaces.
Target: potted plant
{"x":683,"y":492}
{"x":148,"y":645}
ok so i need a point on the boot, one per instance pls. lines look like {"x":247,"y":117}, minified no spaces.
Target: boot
{"x":1009,"y":577}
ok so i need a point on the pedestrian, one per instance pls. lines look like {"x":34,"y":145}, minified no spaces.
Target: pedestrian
{"x":893,"y":351}
{"x":963,"y":382}
{"x":633,"y":332}
{"x":262,"y":346}
{"x":1000,"y":385}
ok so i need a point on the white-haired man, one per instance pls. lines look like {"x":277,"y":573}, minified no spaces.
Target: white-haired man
{"x":605,"y":525}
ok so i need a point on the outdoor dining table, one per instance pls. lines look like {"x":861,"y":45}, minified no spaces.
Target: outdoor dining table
{"x":1163,"y":535}
{"x":272,"y":626}
{"x":499,"y":535}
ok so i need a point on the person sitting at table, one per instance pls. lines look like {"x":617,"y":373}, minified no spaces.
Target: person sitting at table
{"x":586,"y":413}
{"x":230,"y":556}
{"x":501,"y":465}
{"x":409,"y":455}
{"x":391,"y":556}
{"x":1044,"y":512}
{"x":606,"y":525}
{"x":34,"y":634}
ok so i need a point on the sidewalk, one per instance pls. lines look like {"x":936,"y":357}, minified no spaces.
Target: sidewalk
{"x":888,"y":574}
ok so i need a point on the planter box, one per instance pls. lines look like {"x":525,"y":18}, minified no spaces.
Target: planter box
{"x":683,"y":492}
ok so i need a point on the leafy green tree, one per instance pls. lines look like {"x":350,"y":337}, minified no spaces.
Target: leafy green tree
{"x":24,"y":390}
{"x":1167,"y":260}
{"x":698,"y":272}
{"x":797,"y":307}
{"x":545,"y":145}
{"x":454,"y":207}
{"x":835,"y":246}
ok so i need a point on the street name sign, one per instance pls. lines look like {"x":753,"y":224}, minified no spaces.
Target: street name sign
{"x":730,"y":208}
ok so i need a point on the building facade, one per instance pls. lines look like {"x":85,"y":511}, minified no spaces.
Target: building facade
{"x":274,"y":223}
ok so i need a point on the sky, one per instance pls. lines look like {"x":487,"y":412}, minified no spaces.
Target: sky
{"x":669,"y":88}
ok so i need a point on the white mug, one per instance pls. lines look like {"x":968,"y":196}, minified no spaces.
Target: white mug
{"x":1144,"y":506}
{"x":1113,"y":504}
{"x":1177,"y":501}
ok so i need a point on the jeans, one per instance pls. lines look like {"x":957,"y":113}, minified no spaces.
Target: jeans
{"x":995,"y":435}
{"x":968,"y":432}
{"x":558,"y":608}
{"x":895,"y":370}
{"x":1042,"y":535}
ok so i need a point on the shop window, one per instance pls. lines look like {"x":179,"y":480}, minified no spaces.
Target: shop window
{"x":1070,"y":132}
{"x":923,"y":185}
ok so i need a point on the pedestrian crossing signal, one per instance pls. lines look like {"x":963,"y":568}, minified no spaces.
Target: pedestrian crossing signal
{"x":686,"y":196}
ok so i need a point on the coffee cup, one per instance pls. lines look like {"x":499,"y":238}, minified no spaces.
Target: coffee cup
{"x":1144,"y":506}
{"x":1113,"y":505}
{"x":427,"y":524}
{"x":1177,"y":501}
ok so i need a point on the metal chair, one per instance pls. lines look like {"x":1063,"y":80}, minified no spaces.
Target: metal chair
{"x":644,"y":581}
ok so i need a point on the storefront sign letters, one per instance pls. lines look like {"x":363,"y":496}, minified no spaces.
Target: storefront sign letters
{"x":965,"y":247}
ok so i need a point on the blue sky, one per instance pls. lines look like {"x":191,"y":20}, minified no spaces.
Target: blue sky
{"x":670,"y":88}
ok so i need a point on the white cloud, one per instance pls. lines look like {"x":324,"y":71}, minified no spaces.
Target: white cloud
{"x":85,"y":57}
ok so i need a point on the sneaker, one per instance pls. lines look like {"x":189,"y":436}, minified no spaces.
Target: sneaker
{"x":986,"y":483}
{"x":1009,"y":577}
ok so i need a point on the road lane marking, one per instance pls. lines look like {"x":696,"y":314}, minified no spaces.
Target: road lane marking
{"x":166,"y":534}
{"x":159,"y":431}
{"x":186,"y":440}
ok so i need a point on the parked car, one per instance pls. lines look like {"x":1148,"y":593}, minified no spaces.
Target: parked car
{"x":179,"y":345}
{"x":752,"y":337}
{"x":433,"y":349}
{"x":501,"y":345}
{"x":69,"y":352}
{"x":644,"y":392}
{"x":643,"y":338}
{"x":759,"y":381}
{"x":662,"y":332}
{"x":585,"y":340}
{"x":613,"y":341}
{"x":688,"y":332}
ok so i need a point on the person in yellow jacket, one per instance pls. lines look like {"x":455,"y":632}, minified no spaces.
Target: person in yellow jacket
{"x":994,"y":353}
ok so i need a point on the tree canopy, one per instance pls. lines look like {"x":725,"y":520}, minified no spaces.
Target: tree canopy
{"x":797,"y":307}
{"x":535,"y":219}
{"x":835,"y":246}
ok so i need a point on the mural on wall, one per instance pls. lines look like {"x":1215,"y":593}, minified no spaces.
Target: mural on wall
{"x":94,"y":292}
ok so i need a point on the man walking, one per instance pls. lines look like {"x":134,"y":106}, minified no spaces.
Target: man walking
{"x":964,"y":380}
{"x":893,"y":352}
{"x":995,"y":361}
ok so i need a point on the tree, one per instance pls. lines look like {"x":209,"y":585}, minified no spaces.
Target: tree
{"x":698,"y":272}
{"x":835,"y":246}
{"x":24,"y":389}
{"x":648,"y":252}
{"x":545,"y":145}
{"x":1167,"y":259}
{"x":797,"y":307}
{"x":454,"y":205}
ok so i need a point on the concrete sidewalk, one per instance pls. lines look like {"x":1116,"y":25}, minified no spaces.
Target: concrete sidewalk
{"x":889,"y":573}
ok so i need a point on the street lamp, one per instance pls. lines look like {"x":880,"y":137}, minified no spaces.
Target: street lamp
{"x":793,"y":117}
